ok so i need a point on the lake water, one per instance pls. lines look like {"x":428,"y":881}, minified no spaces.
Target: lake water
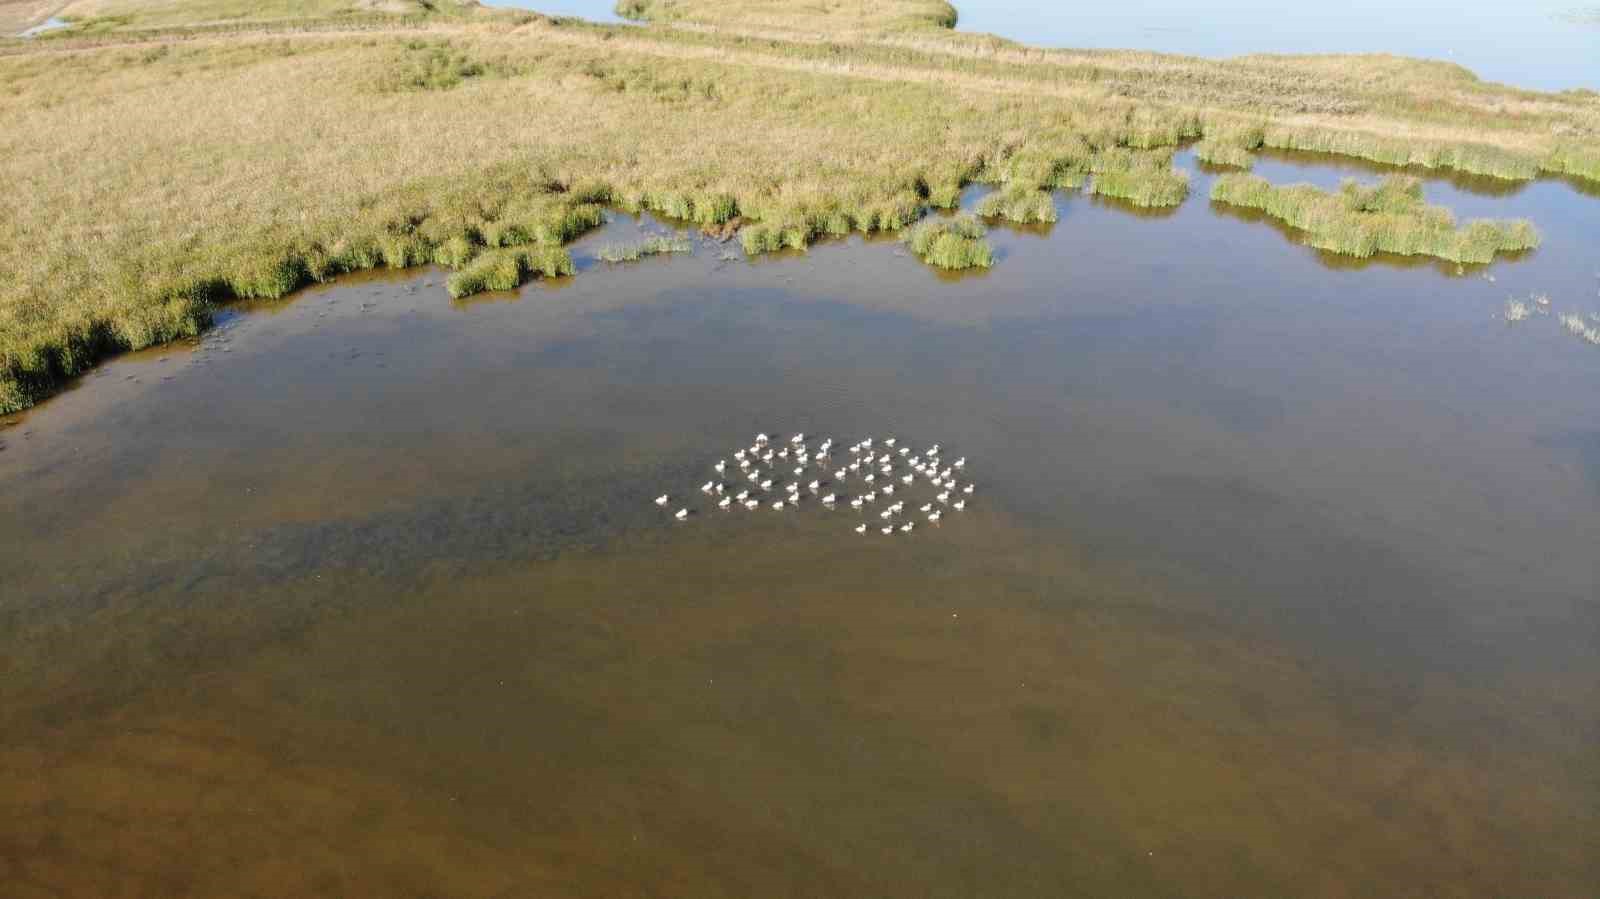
{"x":1543,"y":45}
{"x":1280,"y":579}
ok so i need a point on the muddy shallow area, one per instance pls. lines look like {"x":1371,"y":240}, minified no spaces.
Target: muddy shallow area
{"x":1282,"y":581}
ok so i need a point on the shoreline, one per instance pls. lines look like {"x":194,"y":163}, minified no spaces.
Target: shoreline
{"x":897,"y":121}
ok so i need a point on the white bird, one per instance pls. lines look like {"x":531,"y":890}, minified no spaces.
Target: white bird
{"x":905,"y":450}
{"x":777,"y":506}
{"x":745,"y":464}
{"x":752,"y":505}
{"x":936,"y":482}
{"x":753,"y":476}
{"x":799,"y":470}
{"x":959,"y":505}
{"x":916,"y":461}
{"x":813,"y":486}
{"x":946,"y":474}
{"x":721,"y":465}
{"x":662,"y":500}
{"x":767,"y":457}
{"x":682,"y":514}
{"x":855,"y":503}
{"x":726,"y":502}
{"x":826,"y":445}
{"x":840,"y":475}
{"x":933,"y":450}
{"x":783,"y":453}
{"x":907,"y":527}
{"x":943,"y":497}
{"x":867,"y":443}
{"x":761,"y":439}
{"x":803,"y":457}
{"x":967,"y":489}
{"x":888,"y":490}
{"x":886,"y":514}
{"x":927,"y":507}
{"x":897,"y":507}
{"x":738,"y":454}
{"x":856,"y":449}
{"x":721,"y":488}
{"x":707,"y":486}
{"x":861,"y":529}
{"x":909,"y":479}
{"x":829,"y":499}
{"x":887,"y":531}
{"x":855,"y":466}
{"x":794,"y":498}
{"x":886,"y":469}
{"x":798,"y":438}
{"x":961,"y":462}
{"x":792,"y":487}
{"x":871,"y":496}
{"x":743,"y":495}
{"x":870,"y":478}
{"x":936,"y":516}
{"x":767,"y":484}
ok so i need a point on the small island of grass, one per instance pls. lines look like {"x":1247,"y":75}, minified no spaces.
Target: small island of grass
{"x":1390,"y":217}
{"x":953,"y":244}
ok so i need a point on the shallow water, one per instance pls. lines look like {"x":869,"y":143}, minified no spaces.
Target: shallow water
{"x":1543,"y":45}
{"x":1280,"y":580}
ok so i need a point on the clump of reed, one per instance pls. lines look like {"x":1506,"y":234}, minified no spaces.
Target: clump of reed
{"x":1019,"y":203}
{"x":1587,"y":330}
{"x":955,"y":243}
{"x":506,"y":269}
{"x":1391,"y":216}
{"x":654,"y":246}
{"x":1143,"y":185}
{"x":1218,"y":152}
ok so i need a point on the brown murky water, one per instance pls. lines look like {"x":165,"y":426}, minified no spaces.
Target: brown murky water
{"x":1281,"y":581}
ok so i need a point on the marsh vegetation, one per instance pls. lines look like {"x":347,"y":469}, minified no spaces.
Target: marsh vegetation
{"x":1391,"y":217}
{"x":242,"y":150}
{"x":653,"y":246}
{"x":955,"y":243}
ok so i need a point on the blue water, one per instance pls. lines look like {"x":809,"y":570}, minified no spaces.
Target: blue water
{"x":1534,"y":45}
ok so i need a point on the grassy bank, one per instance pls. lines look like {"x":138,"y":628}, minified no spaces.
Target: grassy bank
{"x":163,"y":158}
{"x":1389,"y":217}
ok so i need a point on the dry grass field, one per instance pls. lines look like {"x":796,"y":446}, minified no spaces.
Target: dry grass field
{"x":162,"y":156}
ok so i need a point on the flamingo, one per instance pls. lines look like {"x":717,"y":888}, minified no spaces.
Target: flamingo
{"x":662,"y":500}
{"x":682,"y":514}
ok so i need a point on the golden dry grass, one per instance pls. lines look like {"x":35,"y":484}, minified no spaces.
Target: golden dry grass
{"x":156,"y":170}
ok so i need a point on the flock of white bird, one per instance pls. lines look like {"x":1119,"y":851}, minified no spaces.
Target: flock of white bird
{"x":879,"y":467}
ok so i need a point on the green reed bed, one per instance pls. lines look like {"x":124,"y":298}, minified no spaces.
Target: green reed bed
{"x":1019,"y":203}
{"x":955,"y":243}
{"x":655,"y":246}
{"x":1222,"y":153}
{"x":1153,"y":188}
{"x":1391,"y":217}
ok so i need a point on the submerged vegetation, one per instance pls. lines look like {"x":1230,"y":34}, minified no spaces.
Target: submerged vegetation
{"x":242,"y":149}
{"x":954,"y":243}
{"x":1389,"y":217}
{"x":654,"y":246}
